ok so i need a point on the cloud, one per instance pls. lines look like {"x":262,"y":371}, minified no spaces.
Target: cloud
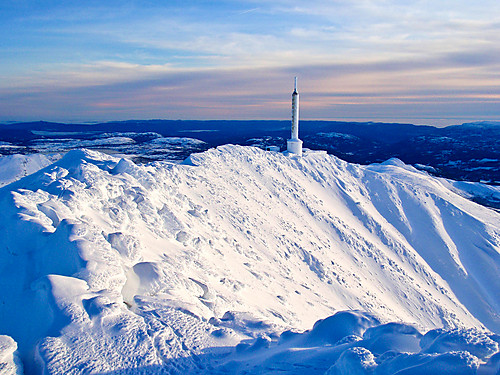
{"x":281,"y":33}
{"x":236,"y":59}
{"x":364,"y":89}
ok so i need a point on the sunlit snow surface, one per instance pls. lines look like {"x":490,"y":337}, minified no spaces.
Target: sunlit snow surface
{"x":15,"y":167}
{"x":218,"y":264}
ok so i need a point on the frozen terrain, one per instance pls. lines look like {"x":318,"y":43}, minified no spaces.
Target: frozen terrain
{"x":245,"y":261}
{"x":119,"y":142}
{"x":15,"y":167}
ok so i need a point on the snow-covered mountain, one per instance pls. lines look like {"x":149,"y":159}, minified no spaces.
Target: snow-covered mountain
{"x":106,"y":265}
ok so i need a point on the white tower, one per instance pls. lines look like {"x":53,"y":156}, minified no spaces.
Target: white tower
{"x":294,"y":144}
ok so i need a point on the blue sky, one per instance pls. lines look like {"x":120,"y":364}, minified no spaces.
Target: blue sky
{"x":431,"y":62}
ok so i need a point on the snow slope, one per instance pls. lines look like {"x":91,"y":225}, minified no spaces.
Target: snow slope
{"x":488,"y":195}
{"x":106,"y":265}
{"x":15,"y":167}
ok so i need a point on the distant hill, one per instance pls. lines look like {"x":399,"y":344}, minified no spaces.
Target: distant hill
{"x":464,"y":152}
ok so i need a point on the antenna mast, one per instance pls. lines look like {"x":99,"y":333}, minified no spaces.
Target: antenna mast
{"x":294,"y":144}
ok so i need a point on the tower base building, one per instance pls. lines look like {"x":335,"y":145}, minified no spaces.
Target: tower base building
{"x":294,"y":146}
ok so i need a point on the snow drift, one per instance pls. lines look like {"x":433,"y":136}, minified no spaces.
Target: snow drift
{"x":106,"y":265}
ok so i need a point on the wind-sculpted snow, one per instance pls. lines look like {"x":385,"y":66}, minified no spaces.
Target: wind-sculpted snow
{"x":356,"y":343}
{"x":200,"y":267}
{"x":10,"y":363}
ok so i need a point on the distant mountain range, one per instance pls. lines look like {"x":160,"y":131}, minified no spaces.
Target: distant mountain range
{"x":469,"y":151}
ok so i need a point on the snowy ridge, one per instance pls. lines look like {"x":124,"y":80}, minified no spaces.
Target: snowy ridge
{"x":15,"y":167}
{"x":126,"y":266}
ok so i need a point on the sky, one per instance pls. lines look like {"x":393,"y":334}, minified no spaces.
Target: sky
{"x":433,"y":62}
